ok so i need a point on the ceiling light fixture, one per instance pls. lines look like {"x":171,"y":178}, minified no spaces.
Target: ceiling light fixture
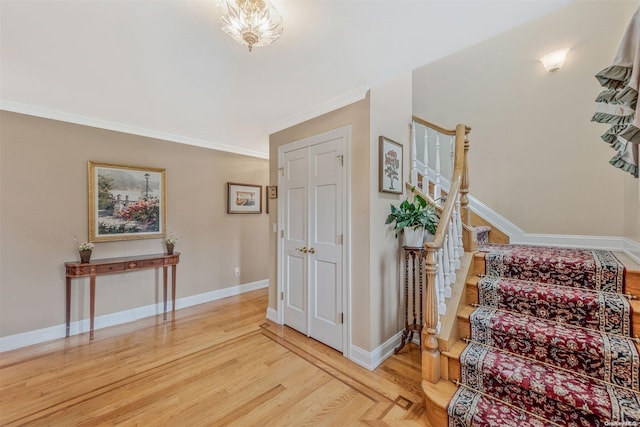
{"x":553,"y":61}
{"x":250,"y":22}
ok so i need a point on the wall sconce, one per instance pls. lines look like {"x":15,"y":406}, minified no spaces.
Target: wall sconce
{"x":553,"y":61}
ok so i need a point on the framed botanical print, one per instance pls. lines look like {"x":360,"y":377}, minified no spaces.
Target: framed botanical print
{"x":244,"y":198}
{"x":390,"y":165}
{"x":126,"y":202}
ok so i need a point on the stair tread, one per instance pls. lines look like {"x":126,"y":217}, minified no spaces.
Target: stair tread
{"x":495,"y":411}
{"x":465,"y":312}
{"x":439,"y":393}
{"x":539,"y":379}
{"x":456,"y":349}
{"x":591,"y":309}
{"x":630,"y":265}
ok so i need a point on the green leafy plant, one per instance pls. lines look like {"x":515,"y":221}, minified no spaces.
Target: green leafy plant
{"x":416,"y":214}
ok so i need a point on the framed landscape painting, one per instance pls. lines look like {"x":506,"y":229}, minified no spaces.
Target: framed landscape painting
{"x":126,"y":202}
{"x":390,"y":166}
{"x":244,"y":198}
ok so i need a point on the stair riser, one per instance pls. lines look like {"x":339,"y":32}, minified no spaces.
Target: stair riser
{"x":631,"y":278}
{"x":464,"y":329}
{"x":548,"y":407}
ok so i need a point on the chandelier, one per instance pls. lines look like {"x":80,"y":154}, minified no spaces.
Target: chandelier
{"x":251,"y":22}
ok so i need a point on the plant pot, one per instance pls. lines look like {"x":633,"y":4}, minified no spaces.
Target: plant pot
{"x":413,"y":238}
{"x":428,"y":237}
{"x":85,"y":256}
{"x":169,"y":249}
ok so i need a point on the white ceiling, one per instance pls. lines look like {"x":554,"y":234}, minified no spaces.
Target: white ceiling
{"x":165,"y":69}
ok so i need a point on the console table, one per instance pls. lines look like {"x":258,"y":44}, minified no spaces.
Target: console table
{"x":119,"y":265}
{"x":413,"y":280}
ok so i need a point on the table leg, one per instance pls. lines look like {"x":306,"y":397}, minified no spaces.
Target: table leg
{"x":173,"y":287}
{"x":92,"y":302}
{"x":68,"y":306}
{"x":164,"y":290}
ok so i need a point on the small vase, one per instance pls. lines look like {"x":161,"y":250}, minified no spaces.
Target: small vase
{"x":169,"y":249}
{"x":85,"y":256}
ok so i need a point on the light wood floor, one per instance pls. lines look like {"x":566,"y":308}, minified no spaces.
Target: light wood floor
{"x":214,"y":364}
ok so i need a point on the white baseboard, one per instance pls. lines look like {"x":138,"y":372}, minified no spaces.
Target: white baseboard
{"x":518,"y":235}
{"x":272,"y":314}
{"x":371,"y":360}
{"x":38,"y":336}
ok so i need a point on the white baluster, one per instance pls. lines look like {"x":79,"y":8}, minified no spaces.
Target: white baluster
{"x":414,"y":156}
{"x":437,"y":189}
{"x":454,"y":238}
{"x":448,"y":273}
{"x":460,"y":244}
{"x":442,"y":307}
{"x":425,"y":162}
{"x":452,"y":255}
{"x":445,"y":256}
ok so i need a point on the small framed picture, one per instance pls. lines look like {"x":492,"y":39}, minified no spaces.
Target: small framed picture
{"x":390,"y":166}
{"x":244,"y":198}
{"x":272,"y":191}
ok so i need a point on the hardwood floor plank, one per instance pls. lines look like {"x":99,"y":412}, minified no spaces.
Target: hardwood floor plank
{"x":218,"y":363}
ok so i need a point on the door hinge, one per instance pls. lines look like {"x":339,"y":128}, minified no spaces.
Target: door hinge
{"x":281,"y":170}
{"x":340,"y":238}
{"x":282,"y":233}
{"x":341,"y":317}
{"x":341,"y":157}
{"x":282,"y":296}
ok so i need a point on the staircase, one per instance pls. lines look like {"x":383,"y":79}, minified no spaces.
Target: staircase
{"x":542,"y":337}
{"x":547,"y":340}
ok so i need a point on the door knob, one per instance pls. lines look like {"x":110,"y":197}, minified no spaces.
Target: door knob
{"x":302,"y":249}
{"x":312,"y":251}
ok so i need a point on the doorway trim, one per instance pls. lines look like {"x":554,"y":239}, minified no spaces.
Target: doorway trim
{"x":345,"y":133}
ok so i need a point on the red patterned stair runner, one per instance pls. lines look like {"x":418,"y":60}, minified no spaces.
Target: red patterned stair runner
{"x":605,"y":357}
{"x":601,"y":311}
{"x":550,"y":343}
{"x":581,"y":268}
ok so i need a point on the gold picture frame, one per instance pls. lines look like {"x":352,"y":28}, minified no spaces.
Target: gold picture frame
{"x":126,"y":202}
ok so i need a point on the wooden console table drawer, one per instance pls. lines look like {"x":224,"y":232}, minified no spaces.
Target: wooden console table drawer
{"x":115,"y":265}
{"x":109,"y":268}
{"x":151,"y":263}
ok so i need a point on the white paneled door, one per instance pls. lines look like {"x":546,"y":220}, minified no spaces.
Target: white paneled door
{"x":313,"y":218}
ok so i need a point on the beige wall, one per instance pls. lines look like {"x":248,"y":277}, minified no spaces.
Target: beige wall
{"x":390,"y":116}
{"x":43,"y":183}
{"x":535,"y":157}
{"x":355,"y":115}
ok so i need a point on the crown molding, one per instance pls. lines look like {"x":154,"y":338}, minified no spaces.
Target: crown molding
{"x":332,"y":104}
{"x":32,"y":110}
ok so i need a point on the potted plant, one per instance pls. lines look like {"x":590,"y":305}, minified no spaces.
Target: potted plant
{"x":170,"y":242}
{"x":412,"y":218}
{"x":85,"y":249}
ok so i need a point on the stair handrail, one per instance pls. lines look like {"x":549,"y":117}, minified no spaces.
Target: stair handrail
{"x":456,"y":201}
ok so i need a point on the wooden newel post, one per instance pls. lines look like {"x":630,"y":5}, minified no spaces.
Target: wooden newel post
{"x":464,"y":185}
{"x":430,"y":352}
